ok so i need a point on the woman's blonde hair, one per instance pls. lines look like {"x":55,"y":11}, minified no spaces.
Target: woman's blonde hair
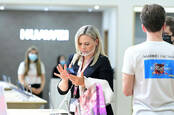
{"x":92,"y":32}
{"x":27,"y":61}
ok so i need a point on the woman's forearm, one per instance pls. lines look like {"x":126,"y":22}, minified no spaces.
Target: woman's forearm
{"x":42,"y":81}
{"x":21,"y":80}
{"x":63,"y":85}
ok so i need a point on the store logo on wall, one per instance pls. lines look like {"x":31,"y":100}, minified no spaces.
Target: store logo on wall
{"x":44,"y":34}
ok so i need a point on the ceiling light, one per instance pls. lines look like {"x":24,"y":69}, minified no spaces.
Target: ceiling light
{"x":45,"y":9}
{"x":96,"y":7}
{"x":2,"y":7}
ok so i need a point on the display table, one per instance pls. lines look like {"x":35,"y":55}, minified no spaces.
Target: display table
{"x":36,"y":112}
{"x":18,"y":99}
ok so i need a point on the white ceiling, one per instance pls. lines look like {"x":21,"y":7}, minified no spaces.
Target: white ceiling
{"x":53,"y":8}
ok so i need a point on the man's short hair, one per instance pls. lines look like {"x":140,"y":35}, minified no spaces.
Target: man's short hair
{"x":170,"y":23}
{"x":153,"y":17}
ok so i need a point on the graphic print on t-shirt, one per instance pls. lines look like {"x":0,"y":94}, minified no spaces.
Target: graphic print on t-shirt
{"x":158,"y":68}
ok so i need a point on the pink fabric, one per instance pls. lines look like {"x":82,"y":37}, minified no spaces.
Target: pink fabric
{"x":3,"y":105}
{"x":92,"y":102}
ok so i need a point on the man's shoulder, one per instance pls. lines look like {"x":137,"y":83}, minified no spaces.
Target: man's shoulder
{"x":167,"y":46}
{"x":170,"y":45}
{"x":135,"y":48}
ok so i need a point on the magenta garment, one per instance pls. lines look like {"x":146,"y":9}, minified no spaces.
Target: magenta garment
{"x":92,"y":102}
{"x":3,"y":104}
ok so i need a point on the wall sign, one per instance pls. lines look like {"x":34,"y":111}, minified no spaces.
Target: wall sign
{"x":44,"y":34}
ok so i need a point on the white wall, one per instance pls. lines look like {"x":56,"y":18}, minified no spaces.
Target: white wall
{"x":110,"y":24}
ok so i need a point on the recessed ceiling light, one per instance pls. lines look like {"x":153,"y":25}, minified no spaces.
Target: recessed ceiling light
{"x":45,"y":9}
{"x":96,"y":7}
{"x":2,"y":7}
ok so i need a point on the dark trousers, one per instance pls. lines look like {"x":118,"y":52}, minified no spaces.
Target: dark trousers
{"x":37,"y":86}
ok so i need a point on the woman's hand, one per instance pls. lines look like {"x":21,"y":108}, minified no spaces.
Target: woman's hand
{"x":77,"y":80}
{"x":64,"y":75}
{"x":36,"y":90}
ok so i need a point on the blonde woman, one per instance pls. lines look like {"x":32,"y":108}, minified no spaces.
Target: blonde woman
{"x":31,"y":72}
{"x":87,"y":66}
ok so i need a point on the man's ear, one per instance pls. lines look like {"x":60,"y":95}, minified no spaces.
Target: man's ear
{"x":143,"y":28}
{"x":164,"y":26}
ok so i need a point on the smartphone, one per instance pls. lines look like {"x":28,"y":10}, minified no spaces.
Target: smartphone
{"x":71,"y":70}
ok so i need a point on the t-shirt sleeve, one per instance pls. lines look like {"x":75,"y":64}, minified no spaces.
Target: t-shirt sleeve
{"x":42,"y":68}
{"x":21,"y":68}
{"x":128,"y":62}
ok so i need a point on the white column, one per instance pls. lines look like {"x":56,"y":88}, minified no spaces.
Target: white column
{"x":110,"y":24}
{"x":124,"y":40}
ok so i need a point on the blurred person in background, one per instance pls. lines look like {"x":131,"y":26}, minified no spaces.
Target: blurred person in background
{"x":31,"y":72}
{"x":168,"y":34}
{"x":60,"y":60}
{"x":54,"y":97}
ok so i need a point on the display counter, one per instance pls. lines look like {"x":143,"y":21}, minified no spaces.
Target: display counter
{"x":36,"y":112}
{"x":20,"y":99}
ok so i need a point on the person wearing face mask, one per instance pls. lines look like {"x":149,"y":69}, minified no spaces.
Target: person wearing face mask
{"x":87,"y":66}
{"x":168,"y":34}
{"x":31,"y":72}
{"x":54,"y":101}
{"x":60,"y":60}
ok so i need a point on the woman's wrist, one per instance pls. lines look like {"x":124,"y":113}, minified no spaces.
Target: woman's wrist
{"x":25,"y":85}
{"x":41,"y":88}
{"x":65,"y":80}
{"x":63,"y":85}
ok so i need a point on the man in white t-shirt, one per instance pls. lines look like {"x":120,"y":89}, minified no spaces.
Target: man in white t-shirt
{"x":148,"y":68}
{"x":168,"y":34}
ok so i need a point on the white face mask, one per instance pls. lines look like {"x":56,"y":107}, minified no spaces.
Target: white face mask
{"x":87,"y":53}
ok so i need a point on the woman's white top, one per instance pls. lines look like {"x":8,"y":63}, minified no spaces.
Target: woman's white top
{"x":32,"y":77}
